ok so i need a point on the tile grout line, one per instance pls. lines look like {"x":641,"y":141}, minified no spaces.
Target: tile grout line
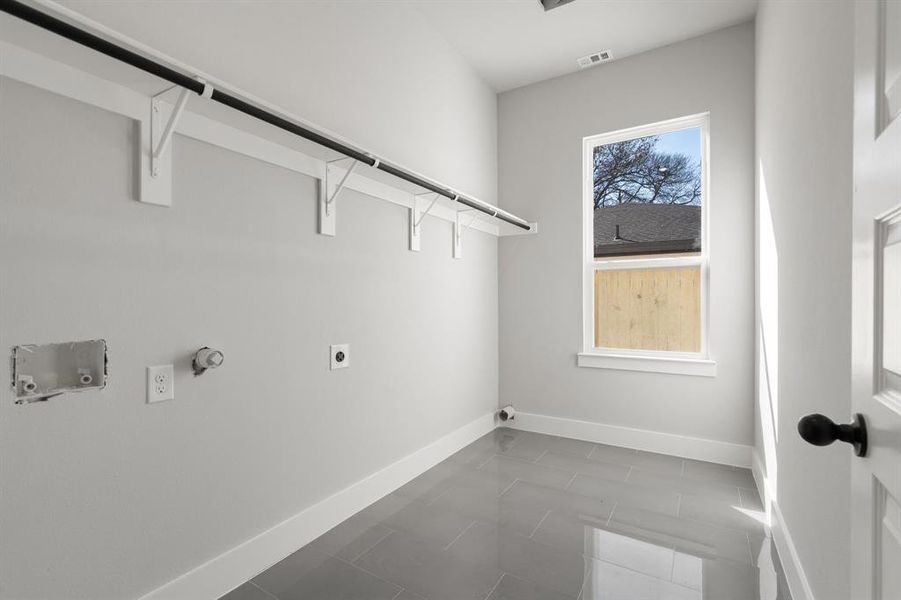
{"x":251,"y":582}
{"x":526,"y":461}
{"x":362,"y":570}
{"x":539,"y":523}
{"x":750,"y":551}
{"x":643,"y":574}
{"x":487,"y":460}
{"x":390,"y":531}
{"x":435,"y":499}
{"x":672,"y":570}
{"x":494,"y":587}
{"x":507,"y":489}
{"x":610,"y":516}
{"x":717,"y":525}
{"x":459,"y":535}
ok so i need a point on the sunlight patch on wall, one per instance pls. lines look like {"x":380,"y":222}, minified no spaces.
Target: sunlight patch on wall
{"x":768,"y":333}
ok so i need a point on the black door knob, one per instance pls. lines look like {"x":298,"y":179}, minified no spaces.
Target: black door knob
{"x":819,"y":430}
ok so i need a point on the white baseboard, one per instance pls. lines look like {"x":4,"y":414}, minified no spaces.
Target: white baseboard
{"x":715,"y":451}
{"x":798,"y":584}
{"x":227,"y":571}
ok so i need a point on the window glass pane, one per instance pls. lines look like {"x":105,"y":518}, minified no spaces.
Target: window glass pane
{"x":648,"y":309}
{"x":647,"y":195}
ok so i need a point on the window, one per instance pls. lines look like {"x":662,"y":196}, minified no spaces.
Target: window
{"x":646,"y":250}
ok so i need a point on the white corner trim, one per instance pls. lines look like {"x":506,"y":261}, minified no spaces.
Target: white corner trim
{"x":763,"y":488}
{"x":700,"y":367}
{"x":798,"y":584}
{"x":227,"y":571}
{"x":726,"y":453}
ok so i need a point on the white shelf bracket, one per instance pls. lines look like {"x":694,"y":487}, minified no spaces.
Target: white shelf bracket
{"x":459,"y":228}
{"x":157,"y":188}
{"x":416,"y":217}
{"x":328,"y":195}
{"x":162,"y":135}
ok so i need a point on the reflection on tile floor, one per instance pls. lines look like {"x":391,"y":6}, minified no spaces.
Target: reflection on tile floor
{"x":519,"y":515}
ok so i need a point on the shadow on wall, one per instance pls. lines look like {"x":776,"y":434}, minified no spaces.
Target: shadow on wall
{"x":768,"y":338}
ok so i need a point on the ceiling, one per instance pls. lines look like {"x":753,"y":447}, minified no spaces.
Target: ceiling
{"x":512,"y":43}
{"x":508,"y":43}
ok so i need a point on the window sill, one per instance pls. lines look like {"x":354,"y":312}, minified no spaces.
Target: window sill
{"x":699,"y":367}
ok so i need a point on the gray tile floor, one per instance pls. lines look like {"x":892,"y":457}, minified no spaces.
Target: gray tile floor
{"x":524,"y":516}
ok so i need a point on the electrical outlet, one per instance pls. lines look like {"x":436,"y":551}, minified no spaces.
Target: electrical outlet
{"x":160,"y":383}
{"x":340,"y":356}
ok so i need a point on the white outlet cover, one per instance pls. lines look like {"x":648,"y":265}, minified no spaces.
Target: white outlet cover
{"x":341,"y":351}
{"x":160,"y":383}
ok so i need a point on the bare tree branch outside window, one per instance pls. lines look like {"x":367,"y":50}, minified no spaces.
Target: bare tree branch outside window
{"x":634,"y":171}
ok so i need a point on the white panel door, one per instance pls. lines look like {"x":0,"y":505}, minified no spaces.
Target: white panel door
{"x":876,"y":313}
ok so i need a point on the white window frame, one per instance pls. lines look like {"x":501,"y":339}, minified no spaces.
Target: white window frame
{"x":661,"y":361}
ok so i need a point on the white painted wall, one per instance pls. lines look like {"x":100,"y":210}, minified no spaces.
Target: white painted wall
{"x":804,"y":116}
{"x":375,"y":72}
{"x":105,"y":496}
{"x":540,"y":142}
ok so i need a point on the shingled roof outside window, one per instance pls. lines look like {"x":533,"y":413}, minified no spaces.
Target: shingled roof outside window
{"x":633,"y":229}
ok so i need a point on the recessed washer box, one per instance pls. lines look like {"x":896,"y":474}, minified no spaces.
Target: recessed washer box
{"x":40,"y":371}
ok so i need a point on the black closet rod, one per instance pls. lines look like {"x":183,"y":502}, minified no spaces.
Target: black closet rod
{"x":59,"y":27}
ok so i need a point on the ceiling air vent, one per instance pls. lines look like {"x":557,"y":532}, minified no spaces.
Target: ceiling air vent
{"x":552,"y":4}
{"x":595,"y":59}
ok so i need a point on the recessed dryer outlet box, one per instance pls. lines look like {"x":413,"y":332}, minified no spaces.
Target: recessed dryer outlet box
{"x":41,"y":371}
{"x":340,"y":358}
